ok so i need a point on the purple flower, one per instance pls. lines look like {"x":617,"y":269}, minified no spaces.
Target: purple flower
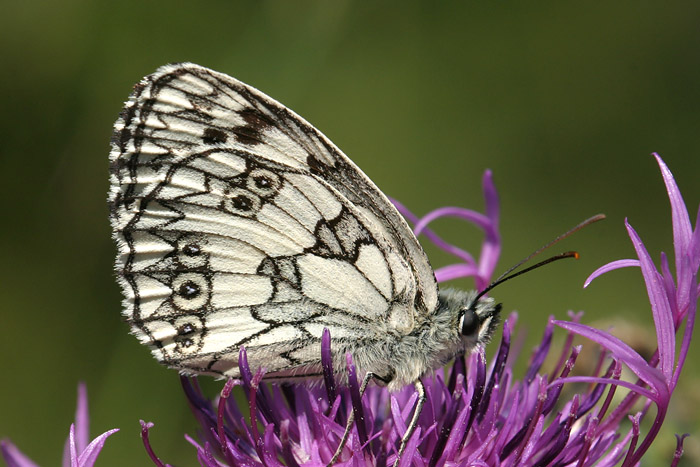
{"x":77,"y":452}
{"x":672,"y":303}
{"x":476,"y":414}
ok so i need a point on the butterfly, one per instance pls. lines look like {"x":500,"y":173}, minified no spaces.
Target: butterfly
{"x":238,"y":224}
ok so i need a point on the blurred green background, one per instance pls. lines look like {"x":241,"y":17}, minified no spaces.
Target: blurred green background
{"x":563,"y":102}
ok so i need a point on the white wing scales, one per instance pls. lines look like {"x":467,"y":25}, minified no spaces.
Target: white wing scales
{"x":239,"y":224}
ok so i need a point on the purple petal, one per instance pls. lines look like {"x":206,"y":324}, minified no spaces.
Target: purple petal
{"x":620,"y":263}
{"x":71,"y":446}
{"x":82,"y":419}
{"x":679,"y":449}
{"x":89,"y":455}
{"x":66,"y":452}
{"x":13,"y":456}
{"x":554,"y":393}
{"x":499,"y":366}
{"x":453,"y":438}
{"x":327,"y":364}
{"x":576,"y":318}
{"x":622,"y":351}
{"x":147,"y":444}
{"x":670,"y":286}
{"x":596,"y":393}
{"x":694,"y":248}
{"x":687,"y":336}
{"x":306,"y":438}
{"x":385,"y":442}
{"x":541,"y":352}
{"x":502,"y":436}
{"x":475,"y":458}
{"x":407,"y":410}
{"x":246,"y":374}
{"x":491,"y":247}
{"x":617,"y":372}
{"x":433,"y":237}
{"x":192,"y":441}
{"x":397,"y":418}
{"x":682,"y":230}
{"x":206,"y":458}
{"x":589,"y":437}
{"x":286,"y":445}
{"x":684,"y":292}
{"x":221,"y":410}
{"x":613,"y":457}
{"x":649,"y":394}
{"x":684,"y":269}
{"x":269,"y":447}
{"x":518,"y":443}
{"x":476,"y":218}
{"x":660,"y":308}
{"x":253,"y":412}
{"x":455,"y":271}
{"x":563,"y":434}
{"x":257,"y":396}
{"x":356,"y":400}
{"x":635,"y":437}
{"x":491,"y":198}
{"x":530,"y":445}
{"x":411,"y":449}
{"x":82,"y":428}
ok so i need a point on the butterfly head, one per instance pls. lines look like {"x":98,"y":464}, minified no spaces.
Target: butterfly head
{"x":478,"y":320}
{"x":475,"y":317}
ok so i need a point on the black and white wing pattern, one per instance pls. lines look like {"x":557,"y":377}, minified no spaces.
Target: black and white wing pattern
{"x":240,"y":224}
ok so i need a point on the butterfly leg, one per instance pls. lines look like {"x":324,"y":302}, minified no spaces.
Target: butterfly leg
{"x":351,"y":419}
{"x":420,"y":389}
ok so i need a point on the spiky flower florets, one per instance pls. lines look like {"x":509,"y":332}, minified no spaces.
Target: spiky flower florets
{"x":477,"y":413}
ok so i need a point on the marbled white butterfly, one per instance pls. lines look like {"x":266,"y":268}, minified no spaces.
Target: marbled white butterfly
{"x":240,"y":224}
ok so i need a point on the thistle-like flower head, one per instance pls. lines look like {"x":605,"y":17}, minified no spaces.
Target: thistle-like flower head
{"x":477,"y":413}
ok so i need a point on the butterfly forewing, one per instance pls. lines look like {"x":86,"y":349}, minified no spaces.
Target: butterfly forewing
{"x":239,"y":224}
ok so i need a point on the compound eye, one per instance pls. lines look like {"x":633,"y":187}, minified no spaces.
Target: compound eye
{"x":469,"y":323}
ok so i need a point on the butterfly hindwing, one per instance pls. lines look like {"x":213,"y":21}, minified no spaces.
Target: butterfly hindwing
{"x":239,"y":224}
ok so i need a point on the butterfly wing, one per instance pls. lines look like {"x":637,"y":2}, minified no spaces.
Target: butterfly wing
{"x":239,"y":224}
